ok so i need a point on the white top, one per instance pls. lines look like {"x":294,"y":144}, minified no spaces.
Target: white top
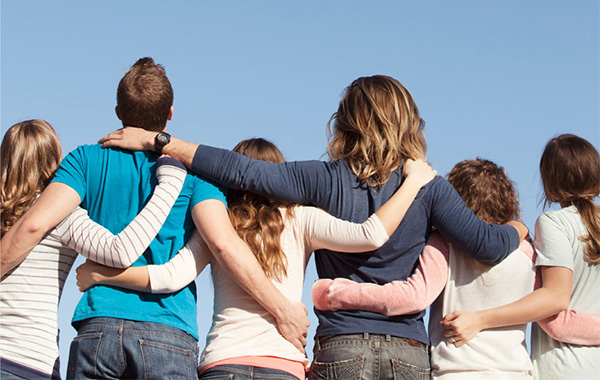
{"x":241,"y":326}
{"x":492,"y":354}
{"x":557,"y":244}
{"x":30,"y":293}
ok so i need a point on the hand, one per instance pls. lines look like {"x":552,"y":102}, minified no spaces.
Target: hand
{"x":129,"y":138}
{"x":294,"y":325}
{"x":320,"y":294}
{"x":418,"y":171}
{"x":461,"y":326}
{"x":87,"y":275}
{"x":522,"y":229}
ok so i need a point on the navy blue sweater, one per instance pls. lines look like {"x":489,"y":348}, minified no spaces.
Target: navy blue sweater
{"x":334,"y":188}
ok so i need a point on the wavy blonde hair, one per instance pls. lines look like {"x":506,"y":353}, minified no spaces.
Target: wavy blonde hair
{"x":257,"y":219}
{"x":376,"y":128}
{"x":30,"y":155}
{"x":570,"y":172}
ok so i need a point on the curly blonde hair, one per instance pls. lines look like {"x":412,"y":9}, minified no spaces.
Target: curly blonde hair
{"x":257,"y":219}
{"x":30,"y":154}
{"x":376,"y":128}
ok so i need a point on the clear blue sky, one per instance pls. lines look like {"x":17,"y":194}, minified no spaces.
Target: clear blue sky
{"x":492,"y":79}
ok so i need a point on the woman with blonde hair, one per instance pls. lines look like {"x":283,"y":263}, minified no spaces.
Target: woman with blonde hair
{"x":376,"y":128}
{"x":30,"y":291}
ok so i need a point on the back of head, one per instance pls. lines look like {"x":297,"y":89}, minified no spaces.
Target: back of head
{"x":257,"y":219}
{"x":570,"y":172}
{"x":145,"y":96}
{"x":376,"y":128}
{"x":486,"y":189}
{"x":30,"y":154}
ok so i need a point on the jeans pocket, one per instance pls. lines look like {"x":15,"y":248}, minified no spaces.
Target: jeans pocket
{"x":406,"y":371}
{"x":163,"y":360}
{"x":83,"y":356}
{"x":349,"y":369}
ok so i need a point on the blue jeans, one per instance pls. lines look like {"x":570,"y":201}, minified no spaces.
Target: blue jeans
{"x":369,"y":357}
{"x":112,"y":348}
{"x":245,"y":372}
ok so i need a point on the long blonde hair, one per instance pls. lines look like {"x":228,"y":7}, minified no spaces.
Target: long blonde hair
{"x":30,"y":155}
{"x":257,"y":219}
{"x":570,"y":172}
{"x":376,"y":128}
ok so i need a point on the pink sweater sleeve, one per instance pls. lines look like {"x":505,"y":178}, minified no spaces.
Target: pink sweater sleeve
{"x":573,"y":327}
{"x":396,"y":297}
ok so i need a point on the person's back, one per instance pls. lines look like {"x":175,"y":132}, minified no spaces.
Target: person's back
{"x":122,"y":333}
{"x":497,"y":353}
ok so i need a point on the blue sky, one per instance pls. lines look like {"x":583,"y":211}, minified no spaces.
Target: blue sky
{"x":491,"y":79}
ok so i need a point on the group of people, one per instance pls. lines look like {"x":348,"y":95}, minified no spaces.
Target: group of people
{"x":150,"y":211}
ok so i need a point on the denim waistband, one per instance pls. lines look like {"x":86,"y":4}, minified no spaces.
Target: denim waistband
{"x":368,"y":337}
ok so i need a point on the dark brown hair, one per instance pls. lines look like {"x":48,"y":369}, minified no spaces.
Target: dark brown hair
{"x":30,"y":154}
{"x":376,"y":128}
{"x":570,"y":172}
{"x":257,"y":219}
{"x":486,"y":189}
{"x":145,"y":96}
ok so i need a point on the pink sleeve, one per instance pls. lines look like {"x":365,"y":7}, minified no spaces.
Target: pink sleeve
{"x":573,"y":327}
{"x":396,"y":297}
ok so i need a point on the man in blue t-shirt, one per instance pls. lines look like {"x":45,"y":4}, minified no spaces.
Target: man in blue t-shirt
{"x":123,"y":333}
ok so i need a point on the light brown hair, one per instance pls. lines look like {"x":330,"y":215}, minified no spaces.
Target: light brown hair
{"x":145,"y":96}
{"x":257,"y":219}
{"x":376,"y":128}
{"x":486,"y":189}
{"x":570,"y":172}
{"x":30,"y":154}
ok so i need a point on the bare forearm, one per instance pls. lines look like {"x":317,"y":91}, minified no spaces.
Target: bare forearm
{"x":134,"y":278}
{"x":182,"y":151}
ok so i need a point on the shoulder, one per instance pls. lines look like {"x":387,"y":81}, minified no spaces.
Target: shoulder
{"x":202,"y":189}
{"x":559,"y":218}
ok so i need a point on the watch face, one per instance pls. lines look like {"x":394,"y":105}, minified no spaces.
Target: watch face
{"x":163,"y":138}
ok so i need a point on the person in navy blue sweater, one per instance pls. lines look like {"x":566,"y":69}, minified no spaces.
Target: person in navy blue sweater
{"x":376,"y":128}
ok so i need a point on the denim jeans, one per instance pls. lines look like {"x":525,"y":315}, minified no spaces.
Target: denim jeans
{"x":5,"y":375}
{"x":112,"y":348}
{"x":245,"y":372}
{"x":369,"y":357}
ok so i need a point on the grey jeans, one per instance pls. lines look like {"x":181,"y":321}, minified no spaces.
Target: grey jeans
{"x":369,"y":357}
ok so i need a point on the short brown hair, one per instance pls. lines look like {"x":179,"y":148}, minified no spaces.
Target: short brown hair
{"x":570,"y":172}
{"x":486,"y":189}
{"x":145,"y":96}
{"x":376,"y":128}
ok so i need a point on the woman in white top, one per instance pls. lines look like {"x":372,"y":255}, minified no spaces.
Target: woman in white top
{"x":568,"y":247}
{"x":243,"y":339}
{"x":30,"y":290}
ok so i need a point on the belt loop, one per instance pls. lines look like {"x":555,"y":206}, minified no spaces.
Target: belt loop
{"x":366,"y":336}
{"x":318,"y":343}
{"x":388,"y":338}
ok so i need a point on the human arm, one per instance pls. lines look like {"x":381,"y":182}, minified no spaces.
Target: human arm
{"x":394,"y":298}
{"x":552,"y":298}
{"x":165,"y":278}
{"x":140,"y":139}
{"x":487,"y":243}
{"x":212,"y":221}
{"x":55,"y":204}
{"x":555,"y":263}
{"x":98,"y":244}
{"x":573,"y":327}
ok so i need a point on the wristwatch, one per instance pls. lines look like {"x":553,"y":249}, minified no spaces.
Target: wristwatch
{"x":161,"y":139}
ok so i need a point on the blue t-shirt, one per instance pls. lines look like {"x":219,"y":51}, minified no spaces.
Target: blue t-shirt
{"x":114,"y":185}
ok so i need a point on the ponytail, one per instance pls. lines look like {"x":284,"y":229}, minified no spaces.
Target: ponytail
{"x":590,"y":214}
